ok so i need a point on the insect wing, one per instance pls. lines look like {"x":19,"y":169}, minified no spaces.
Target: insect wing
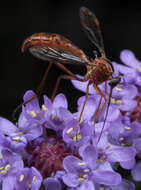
{"x":55,"y":54}
{"x":91,"y":27}
{"x":54,"y":47}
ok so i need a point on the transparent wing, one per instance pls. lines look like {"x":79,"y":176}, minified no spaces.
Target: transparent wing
{"x":91,"y":27}
{"x":55,"y":54}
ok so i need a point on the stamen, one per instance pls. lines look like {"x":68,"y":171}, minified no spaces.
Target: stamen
{"x":121,"y":139}
{"x":86,"y":170}
{"x":32,"y":112}
{"x":16,"y":138}
{"x":34,"y":178}
{"x":1,"y":157}
{"x":118,"y":89}
{"x":139,"y":69}
{"x":81,"y":163}
{"x":85,"y":175}
{"x":127,"y":128}
{"x":7,"y":166}
{"x":77,"y":137}
{"x":81,"y":179}
{"x":44,"y":107}
{"x":21,"y":177}
{"x":69,"y":130}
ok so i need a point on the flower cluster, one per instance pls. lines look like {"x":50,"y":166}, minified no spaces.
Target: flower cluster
{"x":48,"y":148}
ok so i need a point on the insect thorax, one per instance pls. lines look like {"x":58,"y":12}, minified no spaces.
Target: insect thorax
{"x":100,"y":71}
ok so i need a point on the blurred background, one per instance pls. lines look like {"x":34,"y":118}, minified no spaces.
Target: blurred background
{"x":121,"y":28}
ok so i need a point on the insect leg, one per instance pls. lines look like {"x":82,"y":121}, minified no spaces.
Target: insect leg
{"x":35,"y":96}
{"x":71,"y":76}
{"x":103,"y":96}
{"x":66,"y":77}
{"x":84,"y":103}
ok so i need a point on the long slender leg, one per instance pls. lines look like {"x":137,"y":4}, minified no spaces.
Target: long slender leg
{"x":97,"y":110}
{"x":35,"y":96}
{"x":66,"y":77}
{"x":102,"y":96}
{"x":80,"y":116}
{"x":40,"y":86}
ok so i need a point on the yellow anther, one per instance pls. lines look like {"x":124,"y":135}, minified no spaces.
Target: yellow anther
{"x":16,"y":138}
{"x":77,"y":137}
{"x":29,"y":185}
{"x":69,"y":130}
{"x":86,"y":170}
{"x":85,"y":175}
{"x":81,"y":179}
{"x":1,"y":156}
{"x":92,"y":122}
{"x":3,"y":172}
{"x":19,"y":132}
{"x":52,"y":116}
{"x":1,"y":168}
{"x":44,"y":107}
{"x":7,"y":166}
{"x":118,"y":102}
{"x":123,"y":144}
{"x":32,"y":112}
{"x":133,"y":144}
{"x":21,"y":177}
{"x":99,"y":160}
{"x":139,"y":69}
{"x":118,"y":89}
{"x":81,"y":163}
{"x":127,"y":128}
{"x":121,"y":139}
{"x":34,"y":178}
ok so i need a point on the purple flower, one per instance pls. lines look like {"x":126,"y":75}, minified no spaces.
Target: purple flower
{"x":136,"y":172}
{"x":28,"y":178}
{"x":77,"y":138}
{"x":52,"y":184}
{"x":84,"y":173}
{"x":10,"y":164}
{"x":11,"y":136}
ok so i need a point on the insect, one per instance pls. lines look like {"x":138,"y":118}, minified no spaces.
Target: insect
{"x":60,"y":51}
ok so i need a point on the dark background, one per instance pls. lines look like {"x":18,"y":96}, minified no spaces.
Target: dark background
{"x":120,"y":24}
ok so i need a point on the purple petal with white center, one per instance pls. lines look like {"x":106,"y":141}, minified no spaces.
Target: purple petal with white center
{"x":90,"y":156}
{"x":60,"y":101}
{"x":88,"y":185}
{"x":128,"y":164}
{"x":28,"y":178}
{"x":71,"y":180}
{"x":9,"y":183}
{"x":136,"y":172}
{"x":121,"y":154}
{"x":52,"y":184}
{"x":128,"y":58}
{"x":76,"y":164}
